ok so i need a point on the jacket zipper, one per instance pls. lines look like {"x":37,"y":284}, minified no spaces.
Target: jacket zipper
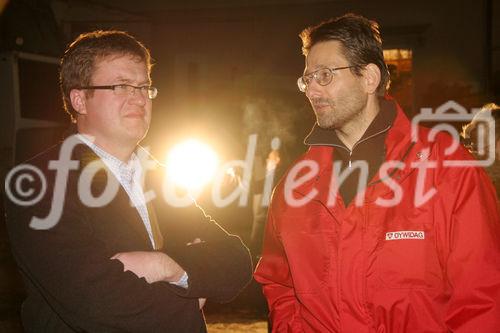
{"x":357,"y":143}
{"x":365,"y":139}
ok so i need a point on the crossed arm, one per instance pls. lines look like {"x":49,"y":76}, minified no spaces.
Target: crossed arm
{"x":72,"y":269}
{"x":154,"y":266}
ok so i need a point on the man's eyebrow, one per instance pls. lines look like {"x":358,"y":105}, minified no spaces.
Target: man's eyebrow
{"x":314,"y":69}
{"x":121,"y":79}
{"x":322,"y":66}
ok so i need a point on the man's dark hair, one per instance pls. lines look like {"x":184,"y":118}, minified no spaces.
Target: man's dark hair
{"x":80,"y":58}
{"x":360,"y":40}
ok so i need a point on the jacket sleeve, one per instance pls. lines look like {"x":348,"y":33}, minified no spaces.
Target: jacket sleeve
{"x":71,"y":269}
{"x":218,"y":267}
{"x":274,"y":274}
{"x":473,"y":247}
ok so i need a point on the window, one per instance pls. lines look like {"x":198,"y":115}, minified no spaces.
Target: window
{"x":400,"y":64}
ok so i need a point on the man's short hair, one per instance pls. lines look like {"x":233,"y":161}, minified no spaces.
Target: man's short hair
{"x":470,"y":130}
{"x":360,"y":40}
{"x":79,"y":60}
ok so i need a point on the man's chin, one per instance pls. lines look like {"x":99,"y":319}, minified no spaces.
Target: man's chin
{"x":135,"y":134}
{"x":326,"y":125}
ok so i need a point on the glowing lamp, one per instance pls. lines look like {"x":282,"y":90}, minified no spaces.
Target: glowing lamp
{"x":191,"y":164}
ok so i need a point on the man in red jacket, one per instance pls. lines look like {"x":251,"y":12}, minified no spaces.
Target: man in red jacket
{"x":380,"y":226}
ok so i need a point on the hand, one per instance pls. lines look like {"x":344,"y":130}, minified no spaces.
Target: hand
{"x":202,"y":302}
{"x":153,"y":266}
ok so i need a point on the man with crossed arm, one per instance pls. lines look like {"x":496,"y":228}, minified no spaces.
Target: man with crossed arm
{"x":130,"y":264}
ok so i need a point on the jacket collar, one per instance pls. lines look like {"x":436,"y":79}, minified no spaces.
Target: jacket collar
{"x":399,"y":147}
{"x":380,"y":124}
{"x":121,"y":202}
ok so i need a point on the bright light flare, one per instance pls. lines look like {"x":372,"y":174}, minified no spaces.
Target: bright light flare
{"x":191,"y":164}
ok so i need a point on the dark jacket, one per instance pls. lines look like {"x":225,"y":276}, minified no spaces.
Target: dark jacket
{"x":73,"y":286}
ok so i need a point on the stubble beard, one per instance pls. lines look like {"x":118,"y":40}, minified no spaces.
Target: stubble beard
{"x":337,"y":114}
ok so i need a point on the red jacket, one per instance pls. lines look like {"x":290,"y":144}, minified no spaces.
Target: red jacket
{"x":369,"y":268}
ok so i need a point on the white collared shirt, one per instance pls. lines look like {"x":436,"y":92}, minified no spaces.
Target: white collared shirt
{"x":133,"y":186}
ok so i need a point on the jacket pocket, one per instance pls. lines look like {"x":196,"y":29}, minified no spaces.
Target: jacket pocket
{"x":407,"y":257}
{"x":309,"y":257}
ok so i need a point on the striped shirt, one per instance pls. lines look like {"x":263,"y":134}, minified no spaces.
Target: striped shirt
{"x":129,"y":174}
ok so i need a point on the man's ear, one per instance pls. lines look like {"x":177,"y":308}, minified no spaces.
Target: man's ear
{"x":372,"y":78}
{"x":77,"y":98}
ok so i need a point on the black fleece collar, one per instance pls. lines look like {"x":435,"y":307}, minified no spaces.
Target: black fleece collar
{"x":382,"y":121}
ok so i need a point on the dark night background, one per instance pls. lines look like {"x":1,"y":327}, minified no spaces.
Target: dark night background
{"x":226,"y":69}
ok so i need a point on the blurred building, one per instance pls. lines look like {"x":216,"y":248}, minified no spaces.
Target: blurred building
{"x":212,"y":55}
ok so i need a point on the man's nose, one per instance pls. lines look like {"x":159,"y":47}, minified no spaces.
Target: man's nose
{"x":313,"y":90}
{"x":138,"y":97}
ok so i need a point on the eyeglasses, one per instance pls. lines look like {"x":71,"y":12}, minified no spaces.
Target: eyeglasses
{"x":126,"y":89}
{"x":322,"y":76}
